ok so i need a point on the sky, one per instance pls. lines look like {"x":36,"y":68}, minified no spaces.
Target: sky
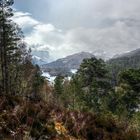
{"x":64,"y":27}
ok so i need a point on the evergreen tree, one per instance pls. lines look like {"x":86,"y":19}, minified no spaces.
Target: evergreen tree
{"x":10,"y":38}
{"x":125,"y":100}
{"x":38,"y":82}
{"x":131,"y":98}
{"x":58,"y":85}
{"x":95,"y":81}
{"x":132,"y":78}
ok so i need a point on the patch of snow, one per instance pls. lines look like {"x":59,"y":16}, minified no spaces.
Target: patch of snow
{"x":73,"y":71}
{"x":67,"y":78}
{"x":49,"y":77}
{"x":36,"y":57}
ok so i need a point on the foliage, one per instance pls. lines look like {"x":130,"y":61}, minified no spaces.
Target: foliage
{"x":58,"y":86}
{"x":71,"y":96}
{"x":37,"y":120}
{"x":13,"y":53}
{"x":132,"y":78}
{"x":10,"y":39}
{"x":88,"y":106}
{"x":95,"y":81}
{"x":38,"y":81}
{"x":125,"y":100}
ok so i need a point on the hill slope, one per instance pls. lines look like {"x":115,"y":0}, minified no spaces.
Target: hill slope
{"x":122,"y":62}
{"x":64,"y":66}
{"x":40,"y":57}
{"x":127,"y":60}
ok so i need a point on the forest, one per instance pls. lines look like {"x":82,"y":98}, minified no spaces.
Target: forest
{"x":100,"y":102}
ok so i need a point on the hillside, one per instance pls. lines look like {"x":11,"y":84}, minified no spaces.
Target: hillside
{"x":40,"y":57}
{"x":64,"y":66}
{"x":127,"y":60}
{"x":123,"y":62}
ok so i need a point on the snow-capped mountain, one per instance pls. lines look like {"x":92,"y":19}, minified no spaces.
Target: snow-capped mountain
{"x":40,"y":57}
{"x":37,"y":60}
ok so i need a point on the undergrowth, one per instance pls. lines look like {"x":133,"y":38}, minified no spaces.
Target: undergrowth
{"x":22,"y":119}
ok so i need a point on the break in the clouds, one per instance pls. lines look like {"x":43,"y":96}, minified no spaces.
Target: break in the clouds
{"x":65,"y":27}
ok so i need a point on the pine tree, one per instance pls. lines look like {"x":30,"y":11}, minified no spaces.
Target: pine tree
{"x":38,"y":82}
{"x":95,"y":81}
{"x":58,"y":85}
{"x":10,"y":38}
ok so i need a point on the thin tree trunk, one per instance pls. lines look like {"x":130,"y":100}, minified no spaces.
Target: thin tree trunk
{"x":2,"y":61}
{"x":5,"y":65}
{"x":6,"y":80}
{"x":2,"y":67}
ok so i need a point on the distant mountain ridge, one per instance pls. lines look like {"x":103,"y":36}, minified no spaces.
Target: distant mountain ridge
{"x":132,"y":53}
{"x":122,"y":62}
{"x":37,"y":60}
{"x":127,"y":60}
{"x":40,"y":57}
{"x":64,"y":66}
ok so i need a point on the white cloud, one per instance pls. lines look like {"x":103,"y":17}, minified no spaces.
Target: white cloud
{"x":44,"y":34}
{"x":120,"y":36}
{"x":25,"y":20}
{"x":88,"y":13}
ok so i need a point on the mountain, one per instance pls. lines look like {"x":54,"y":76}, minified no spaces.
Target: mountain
{"x":127,"y":60}
{"x":40,"y":57}
{"x":37,"y":60}
{"x":122,"y":62}
{"x":101,"y":54}
{"x":65,"y":66}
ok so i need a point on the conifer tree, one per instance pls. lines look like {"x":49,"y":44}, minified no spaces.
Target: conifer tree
{"x":10,"y":39}
{"x":58,"y":85}
{"x":95,"y":81}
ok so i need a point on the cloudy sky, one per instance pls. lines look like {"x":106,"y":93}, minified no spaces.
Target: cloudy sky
{"x":64,"y":27}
